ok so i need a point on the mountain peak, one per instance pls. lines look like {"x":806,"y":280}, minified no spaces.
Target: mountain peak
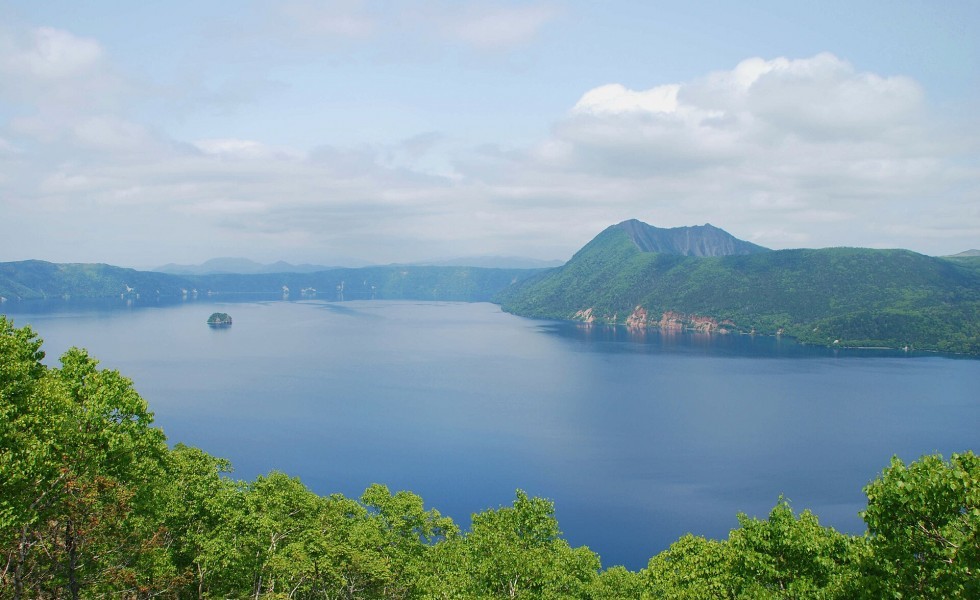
{"x":965,"y":254}
{"x":697,"y":240}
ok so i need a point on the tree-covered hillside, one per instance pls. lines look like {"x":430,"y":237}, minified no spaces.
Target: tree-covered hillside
{"x":36,"y":279}
{"x":845,"y":296}
{"x":94,"y":504}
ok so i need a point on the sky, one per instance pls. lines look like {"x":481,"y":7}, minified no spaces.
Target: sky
{"x":354,"y":132}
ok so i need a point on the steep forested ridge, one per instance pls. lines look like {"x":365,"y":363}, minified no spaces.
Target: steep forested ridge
{"x":845,"y":296}
{"x":94,"y":504}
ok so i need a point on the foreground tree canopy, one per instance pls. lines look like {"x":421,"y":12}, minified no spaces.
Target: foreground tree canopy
{"x":94,"y":504}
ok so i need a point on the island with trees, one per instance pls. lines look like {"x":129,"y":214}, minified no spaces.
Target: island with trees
{"x":219,"y":319}
{"x":95,"y":504}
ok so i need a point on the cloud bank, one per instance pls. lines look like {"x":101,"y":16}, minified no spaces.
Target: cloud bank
{"x":785,"y":152}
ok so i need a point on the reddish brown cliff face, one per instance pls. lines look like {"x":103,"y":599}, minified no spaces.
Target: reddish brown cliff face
{"x":676,"y":320}
{"x":670,"y":320}
{"x":638,"y":318}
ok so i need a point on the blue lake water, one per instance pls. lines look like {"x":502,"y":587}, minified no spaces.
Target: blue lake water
{"x":637,"y":438}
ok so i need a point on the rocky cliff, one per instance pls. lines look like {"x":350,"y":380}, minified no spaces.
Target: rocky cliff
{"x":698,"y":240}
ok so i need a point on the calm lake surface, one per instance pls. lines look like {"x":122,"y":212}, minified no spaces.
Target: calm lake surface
{"x":637,"y":438}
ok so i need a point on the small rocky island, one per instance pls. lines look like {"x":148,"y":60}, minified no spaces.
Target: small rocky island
{"x":219,"y":319}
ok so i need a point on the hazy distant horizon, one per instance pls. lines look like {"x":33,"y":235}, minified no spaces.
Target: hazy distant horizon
{"x":353,"y":263}
{"x":350,"y":262}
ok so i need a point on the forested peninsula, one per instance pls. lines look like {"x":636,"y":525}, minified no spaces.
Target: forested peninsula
{"x":702,"y":278}
{"x":94,"y":503}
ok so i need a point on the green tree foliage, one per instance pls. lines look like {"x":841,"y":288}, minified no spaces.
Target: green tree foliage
{"x":923,"y":523}
{"x":616,"y":583}
{"x":94,"y":505}
{"x":31,"y":417}
{"x":203,"y":509}
{"x":786,"y":556}
{"x":280,"y":516}
{"x":408,"y":532}
{"x":78,"y":476}
{"x":518,"y":552}
{"x":693,"y":568}
{"x":353,"y":550}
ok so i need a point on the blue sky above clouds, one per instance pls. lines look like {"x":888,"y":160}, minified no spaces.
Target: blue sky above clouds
{"x":145,"y":133}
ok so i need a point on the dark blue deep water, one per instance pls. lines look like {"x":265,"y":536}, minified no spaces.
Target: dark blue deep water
{"x":637,"y":439}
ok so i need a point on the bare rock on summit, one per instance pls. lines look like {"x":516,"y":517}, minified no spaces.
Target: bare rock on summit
{"x":698,"y":240}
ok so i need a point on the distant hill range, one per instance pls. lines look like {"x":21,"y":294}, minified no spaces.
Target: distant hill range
{"x":704,"y":279}
{"x":966,"y":254}
{"x":242,"y":266}
{"x":35,"y":279}
{"x":492,"y":262}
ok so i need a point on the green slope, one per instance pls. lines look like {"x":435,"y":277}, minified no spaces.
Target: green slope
{"x":36,"y":279}
{"x":851,"y":296}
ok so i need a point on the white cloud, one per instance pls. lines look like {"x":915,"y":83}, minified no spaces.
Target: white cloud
{"x":46,"y":53}
{"x":825,"y":97}
{"x":65,"y":182}
{"x":786,"y":151}
{"x":479,"y":25}
{"x":243,"y":149}
{"x":821,"y":97}
{"x":224,"y":206}
{"x":58,"y":87}
{"x":492,"y":27}
{"x":111,"y":133}
{"x":615,"y":98}
{"x":781,"y":151}
{"x":787,"y":114}
{"x":8,"y":148}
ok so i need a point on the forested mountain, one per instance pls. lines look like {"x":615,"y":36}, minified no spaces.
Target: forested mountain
{"x":95,"y":504}
{"x":833,"y":296}
{"x":974,"y":253}
{"x":34,"y":279}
